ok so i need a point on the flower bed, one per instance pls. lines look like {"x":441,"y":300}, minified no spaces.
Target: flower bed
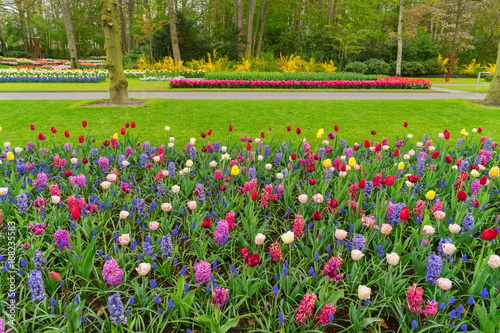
{"x":53,"y":79}
{"x":279,"y":76}
{"x":269,"y":234}
{"x":381,"y":83}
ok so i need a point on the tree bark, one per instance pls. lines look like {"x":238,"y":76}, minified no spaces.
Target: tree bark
{"x":329,"y":15}
{"x":251,"y":13}
{"x":400,"y":38}
{"x":493,"y":96}
{"x":2,"y":45}
{"x":238,"y":21}
{"x":147,"y":13}
{"x":261,"y":28}
{"x":455,"y":39}
{"x":20,"y":10}
{"x":130,"y":14}
{"x":111,"y":24}
{"x":73,"y":54}
{"x":173,"y":32}
{"x":122,"y":24}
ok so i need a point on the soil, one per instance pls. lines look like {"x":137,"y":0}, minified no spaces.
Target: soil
{"x":481,"y":102}
{"x":106,"y":102}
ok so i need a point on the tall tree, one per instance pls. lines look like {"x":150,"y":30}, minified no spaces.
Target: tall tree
{"x":329,"y":14}
{"x":173,"y":32}
{"x":493,"y":96}
{"x":112,"y":44}
{"x":130,"y":14}
{"x":238,"y":22}
{"x":70,"y":35}
{"x":251,"y":13}
{"x":261,"y":27}
{"x":453,"y":60}
{"x":122,"y":24}
{"x":400,"y":38}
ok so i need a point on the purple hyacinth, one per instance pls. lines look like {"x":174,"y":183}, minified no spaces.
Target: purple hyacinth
{"x":277,"y":159}
{"x":202,"y":272}
{"x":39,"y":260}
{"x":200,"y":188}
{"x":358,"y":242}
{"x":467,"y":223}
{"x":61,"y":238}
{"x":79,"y":180}
{"x":464,"y":166}
{"x":434,"y":266}
{"x":443,"y":241}
{"x":221,"y":232}
{"x":368,"y":188}
{"x":112,"y":273}
{"x":166,"y":246}
{"x":115,"y":308}
{"x":37,"y":288}
{"x":475,"y":186}
{"x":121,"y":159}
{"x":396,"y":212}
{"x":192,"y":153}
{"x":93,"y":153}
{"x":22,"y":203}
{"x":41,"y":180}
{"x":147,"y":147}
{"x":104,"y":163}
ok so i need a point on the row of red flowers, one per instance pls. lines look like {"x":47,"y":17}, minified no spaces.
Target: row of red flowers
{"x":381,"y":83}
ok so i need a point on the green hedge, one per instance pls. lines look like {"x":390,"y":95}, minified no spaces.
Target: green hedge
{"x":278,"y":76}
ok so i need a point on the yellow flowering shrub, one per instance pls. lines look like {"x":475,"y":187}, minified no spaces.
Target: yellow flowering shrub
{"x":244,"y":66}
{"x":471,"y":69}
{"x":329,"y":67}
{"x":289,"y":64}
{"x":490,"y":68}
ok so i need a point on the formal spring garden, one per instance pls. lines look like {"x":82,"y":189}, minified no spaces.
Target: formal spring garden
{"x":249,"y":166}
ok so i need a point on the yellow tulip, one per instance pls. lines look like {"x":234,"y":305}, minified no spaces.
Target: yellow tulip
{"x":327,"y":163}
{"x":462,"y":132}
{"x":10,"y":156}
{"x":235,"y":170}
{"x":0,"y":128}
{"x":494,"y":172}
{"x":115,"y":136}
{"x":320,"y":133}
{"x":401,"y":165}
{"x":352,"y":162}
{"x":430,"y":195}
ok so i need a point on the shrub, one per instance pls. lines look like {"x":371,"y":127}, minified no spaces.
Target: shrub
{"x":488,"y":78}
{"x":357,"y":67}
{"x":432,"y":66}
{"x":277,"y":76}
{"x":412,"y":68}
{"x":376,"y":66}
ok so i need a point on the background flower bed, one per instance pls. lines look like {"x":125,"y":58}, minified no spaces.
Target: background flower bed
{"x":279,"y":286}
{"x":385,"y":83}
{"x":278,"y":76}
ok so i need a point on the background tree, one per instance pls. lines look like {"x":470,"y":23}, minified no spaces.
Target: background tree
{"x":111,"y":24}
{"x":493,"y":96}
{"x":69,"y":33}
{"x":173,"y":32}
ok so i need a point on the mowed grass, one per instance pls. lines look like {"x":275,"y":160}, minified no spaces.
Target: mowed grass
{"x":133,"y":85}
{"x":189,"y":118}
{"x":481,"y":89}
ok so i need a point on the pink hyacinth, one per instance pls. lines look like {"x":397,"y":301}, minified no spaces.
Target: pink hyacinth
{"x":414,"y":298}
{"x":74,"y":202}
{"x":202,"y":272}
{"x":221,"y":232}
{"x":230,"y":219}
{"x":331,"y":268}
{"x":112,"y":273}
{"x":305,"y":308}
{"x":324,"y":316}
{"x":54,"y":190}
{"x":419,"y":208}
{"x":62,"y":240}
{"x":267,"y":195}
{"x":431,"y":309}
{"x":437,"y":206}
{"x":219,"y":296}
{"x":298,"y":226}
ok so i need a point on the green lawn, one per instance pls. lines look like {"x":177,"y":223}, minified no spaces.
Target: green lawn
{"x":457,"y":81}
{"x":481,"y":89}
{"x":189,"y":118}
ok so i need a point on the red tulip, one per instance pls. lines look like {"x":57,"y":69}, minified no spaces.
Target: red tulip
{"x":367,"y":143}
{"x":413,"y":178}
{"x":374,"y":132}
{"x":489,"y":234}
{"x":405,"y":214}
{"x":81,"y":139}
{"x":204,"y":149}
{"x":342,"y":167}
{"x":203,"y":135}
{"x":206,"y":223}
{"x":84,"y":123}
{"x":396,"y":153}
{"x":316,"y":157}
{"x":483,"y":180}
{"x":53,"y":130}
{"x":480,"y":129}
{"x":209,"y":132}
{"x":475,"y":203}
{"x":41,"y":137}
{"x":362,"y":184}
{"x":435,"y":155}
{"x":75,"y":213}
{"x":249,"y":146}
{"x":68,"y":172}
{"x":55,"y":276}
{"x":66,"y":134}
{"x":255,"y":196}
{"x":336,"y":128}
{"x":262,"y":135}
{"x":378,"y":147}
{"x":405,"y":124}
{"x":223,"y":187}
{"x":293,"y":156}
{"x":446,"y":134}
{"x":461,"y":196}
{"x":230,"y":128}
{"x":310,"y":169}
{"x":127,"y":124}
{"x":132,"y":124}
{"x":312,"y":181}
{"x":252,"y":259}
{"x":317,"y":215}
{"x":389,"y":180}
{"x":270,"y":128}
{"x":448,"y":159}
{"x":85,"y":160}
{"x":298,"y":131}
{"x":288,"y":128}
{"x":32,"y":127}
{"x":244,"y":251}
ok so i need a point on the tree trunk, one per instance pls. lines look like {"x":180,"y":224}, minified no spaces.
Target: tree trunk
{"x":173,"y":32}
{"x":2,"y":45}
{"x":111,"y":24}
{"x":130,"y":14}
{"x":329,"y":15}
{"x":238,"y":21}
{"x":147,"y":13}
{"x":73,"y":55}
{"x":455,"y":39}
{"x":122,"y":24}
{"x":493,"y":96}
{"x":261,"y":28}
{"x":400,"y":38}
{"x":20,"y":9}
{"x":251,"y":13}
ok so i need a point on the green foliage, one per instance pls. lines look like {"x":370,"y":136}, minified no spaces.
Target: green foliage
{"x":488,"y":78}
{"x":376,"y":66}
{"x":276,"y":76}
{"x":130,"y":58}
{"x":357,"y":67}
